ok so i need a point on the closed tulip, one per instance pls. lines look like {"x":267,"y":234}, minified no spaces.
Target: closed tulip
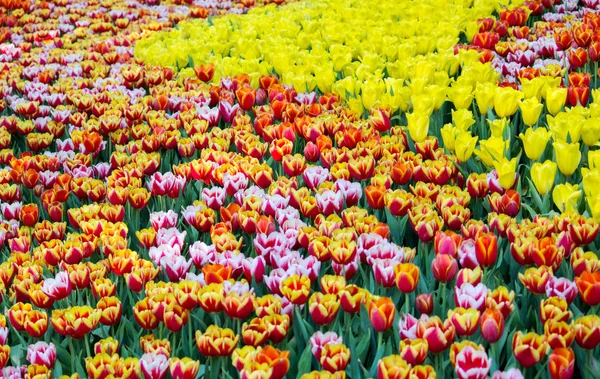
{"x":568,"y":156}
{"x":555,"y":99}
{"x":465,"y":146}
{"x":418,"y":126}
{"x":506,"y":101}
{"x":542,"y":175}
{"x":530,"y":110}
{"x":566,"y":197}
{"x":506,"y":170}
{"x":535,"y":141}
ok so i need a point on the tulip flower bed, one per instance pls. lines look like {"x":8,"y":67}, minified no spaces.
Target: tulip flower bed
{"x":318,"y":189}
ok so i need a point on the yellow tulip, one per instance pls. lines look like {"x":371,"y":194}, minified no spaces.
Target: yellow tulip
{"x":566,"y":197}
{"x":465,"y":145}
{"x":533,"y":87}
{"x":567,"y":156}
{"x":506,"y":172}
{"x":438,"y":94}
{"x":422,"y":104}
{"x":462,"y":119}
{"x":542,"y":175}
{"x":506,"y":101}
{"x":418,"y":126}
{"x":594,"y":159}
{"x":449,"y":133}
{"x":498,"y":126}
{"x":460,"y":95}
{"x":531,"y":109}
{"x":594,"y":205}
{"x":370,"y":92}
{"x":591,"y":182}
{"x":484,"y":95}
{"x":491,"y":150}
{"x":555,"y":99}
{"x":356,"y":105}
{"x":590,"y":131}
{"x":534,"y":142}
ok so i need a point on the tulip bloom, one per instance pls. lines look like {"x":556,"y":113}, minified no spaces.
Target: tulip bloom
{"x":542,"y":175}
{"x":506,"y":101}
{"x":183,"y":368}
{"x":393,"y":366}
{"x":381,"y":313}
{"x":444,"y":267}
{"x":561,"y":363}
{"x":535,"y":141}
{"x":588,"y":284}
{"x":587,"y":331}
{"x":407,"y":277}
{"x":529,"y":349}
{"x":530,"y":110}
{"x":216,"y":342}
{"x":471,"y":363}
{"x":439,"y":335}
{"x":414,"y":351}
{"x":492,"y":325}
{"x":568,"y":156}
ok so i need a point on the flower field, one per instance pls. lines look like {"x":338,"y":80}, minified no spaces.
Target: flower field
{"x":299,"y":189}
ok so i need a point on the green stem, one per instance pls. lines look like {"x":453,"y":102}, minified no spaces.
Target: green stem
{"x":87,"y":345}
{"x":406,"y":303}
{"x":73,"y":369}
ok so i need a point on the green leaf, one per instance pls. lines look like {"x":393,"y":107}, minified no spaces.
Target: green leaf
{"x":305,"y":362}
{"x":17,"y":354}
{"x":363,"y":346}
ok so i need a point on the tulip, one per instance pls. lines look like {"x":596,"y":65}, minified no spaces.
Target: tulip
{"x":588,"y":284}
{"x":154,"y":366}
{"x":506,"y":170}
{"x":542,"y":175}
{"x":587,"y":331}
{"x":535,"y":141}
{"x":531,"y":109}
{"x":492,"y":325}
{"x":393,"y":366}
{"x":418,"y":126}
{"x":486,"y":249}
{"x":335,"y":357}
{"x":323,"y":308}
{"x":444,"y":267}
{"x":566,"y":197}
{"x":536,"y":278}
{"x":472,"y":363}
{"x":29,"y":214}
{"x":439,"y":335}
{"x":561,"y":363}
{"x":407,"y":277}
{"x":465,"y":146}
{"x":414,"y":351}
{"x":216,"y":342}
{"x":449,"y":135}
{"x":506,"y":101}
{"x":381,"y":313}
{"x":183,"y":368}
{"x":42,"y":353}
{"x":555,"y":99}
{"x":108,"y":345}
{"x":528,"y":348}
{"x":568,"y":156}
{"x":464,"y":320}
{"x":424,"y":303}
